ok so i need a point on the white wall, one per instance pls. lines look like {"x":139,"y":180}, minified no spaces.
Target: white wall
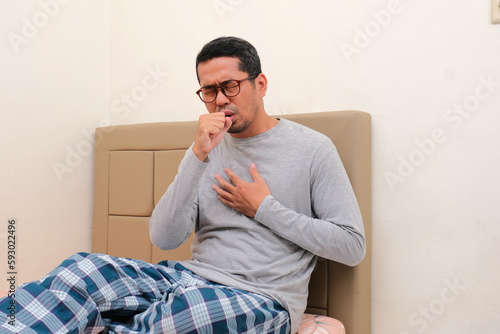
{"x":435,"y":199}
{"x":53,"y":92}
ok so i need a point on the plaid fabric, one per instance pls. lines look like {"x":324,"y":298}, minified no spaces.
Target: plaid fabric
{"x":97,"y":293}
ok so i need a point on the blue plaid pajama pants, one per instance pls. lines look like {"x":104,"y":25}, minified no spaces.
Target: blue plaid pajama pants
{"x":98,"y":293}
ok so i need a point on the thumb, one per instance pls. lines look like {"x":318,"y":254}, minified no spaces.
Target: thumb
{"x":227,"y":125}
{"x":223,"y":132}
{"x":255,"y":174}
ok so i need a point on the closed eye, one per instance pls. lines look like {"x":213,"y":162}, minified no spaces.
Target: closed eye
{"x":229,"y":84}
{"x":208,"y":89}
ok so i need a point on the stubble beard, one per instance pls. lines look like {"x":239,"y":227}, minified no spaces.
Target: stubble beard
{"x":241,"y":124}
{"x":238,"y":127}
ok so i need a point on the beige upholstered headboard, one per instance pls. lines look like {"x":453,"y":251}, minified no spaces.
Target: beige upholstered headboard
{"x":134,"y":164}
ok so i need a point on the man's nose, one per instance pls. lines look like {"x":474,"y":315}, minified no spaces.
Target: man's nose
{"x":221,"y":99}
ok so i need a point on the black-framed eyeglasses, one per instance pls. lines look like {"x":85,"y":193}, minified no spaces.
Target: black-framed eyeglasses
{"x":230,"y":88}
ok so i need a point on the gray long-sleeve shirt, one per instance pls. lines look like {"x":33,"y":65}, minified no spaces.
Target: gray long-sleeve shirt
{"x":312,"y":211}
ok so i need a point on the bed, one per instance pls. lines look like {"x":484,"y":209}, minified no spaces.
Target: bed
{"x":134,"y":164}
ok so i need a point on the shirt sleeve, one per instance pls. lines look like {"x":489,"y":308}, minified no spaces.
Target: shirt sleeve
{"x":335,"y":231}
{"x":172,"y":221}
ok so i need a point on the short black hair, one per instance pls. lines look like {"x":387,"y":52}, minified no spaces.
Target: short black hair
{"x":231,"y":47}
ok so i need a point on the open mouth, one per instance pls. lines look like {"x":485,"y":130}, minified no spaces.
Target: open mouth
{"x":229,"y":114}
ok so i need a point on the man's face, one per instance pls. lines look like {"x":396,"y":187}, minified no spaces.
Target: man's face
{"x":241,"y":108}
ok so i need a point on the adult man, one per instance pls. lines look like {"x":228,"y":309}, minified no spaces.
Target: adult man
{"x":265,"y":197}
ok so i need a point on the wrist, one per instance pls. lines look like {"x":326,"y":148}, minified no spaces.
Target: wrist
{"x":202,"y":156}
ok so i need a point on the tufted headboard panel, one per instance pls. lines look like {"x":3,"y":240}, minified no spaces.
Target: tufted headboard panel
{"x":134,"y":164}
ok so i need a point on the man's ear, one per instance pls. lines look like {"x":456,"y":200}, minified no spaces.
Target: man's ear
{"x":261,"y":84}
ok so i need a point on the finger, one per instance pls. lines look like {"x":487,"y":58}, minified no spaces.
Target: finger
{"x":223,"y":130}
{"x":233,"y":177}
{"x":225,"y":197}
{"x":213,"y":120}
{"x":221,"y":192}
{"x":227,"y":124}
{"x":222,"y":123}
{"x":219,"y":124}
{"x":226,"y":202}
{"x":210,"y":129}
{"x":224,"y":184}
{"x":255,"y":174}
